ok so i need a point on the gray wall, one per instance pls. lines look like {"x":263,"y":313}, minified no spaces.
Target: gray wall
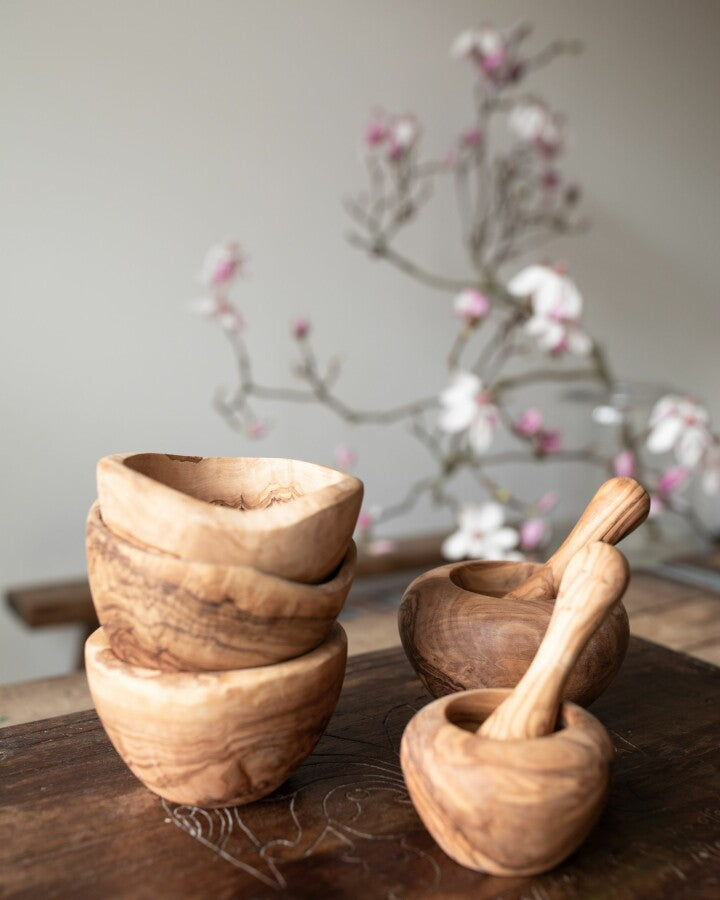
{"x":136,"y":133}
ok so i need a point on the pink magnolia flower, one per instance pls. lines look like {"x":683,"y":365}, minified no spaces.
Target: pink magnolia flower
{"x":550,"y":180}
{"x":301,"y":327}
{"x":556,"y":309}
{"x":680,"y":424}
{"x":256,"y":428}
{"x":345,"y":456}
{"x":220,"y":310}
{"x":549,"y":442}
{"x":530,"y":425}
{"x":534,"y":123}
{"x":221,"y":264}
{"x":534,"y":533}
{"x":625,"y":464}
{"x":396,"y":136}
{"x":467,"y":407}
{"x":471,"y":305}
{"x":377,"y":131}
{"x":530,"y":422}
{"x":482,"y":534}
{"x":672,"y":479}
{"x":472,"y":137}
{"x":547,"y":502}
{"x":487,"y":47}
{"x":365,"y":520}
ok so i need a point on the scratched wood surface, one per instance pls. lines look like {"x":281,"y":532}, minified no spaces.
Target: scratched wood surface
{"x":75,"y":823}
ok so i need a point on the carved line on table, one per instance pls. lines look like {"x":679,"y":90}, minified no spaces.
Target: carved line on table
{"x":216,"y":828}
{"x":308,"y":823}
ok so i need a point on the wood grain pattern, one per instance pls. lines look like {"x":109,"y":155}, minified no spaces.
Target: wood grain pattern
{"x":617,"y":509}
{"x":460,"y":631}
{"x":75,"y":822}
{"x":505,"y":807}
{"x":215,"y":738}
{"x":169,"y":613}
{"x":594,"y":580}
{"x":288,"y":518}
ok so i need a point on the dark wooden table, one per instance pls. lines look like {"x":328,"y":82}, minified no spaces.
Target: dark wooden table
{"x":75,"y":823}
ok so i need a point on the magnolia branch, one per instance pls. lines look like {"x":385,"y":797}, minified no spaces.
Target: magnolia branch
{"x":508,"y":203}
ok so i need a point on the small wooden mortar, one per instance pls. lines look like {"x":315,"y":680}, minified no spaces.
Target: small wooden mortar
{"x":497,"y":788}
{"x":479,"y":624}
{"x":168,"y":613}
{"x":285,"y":517}
{"x":216,"y":738}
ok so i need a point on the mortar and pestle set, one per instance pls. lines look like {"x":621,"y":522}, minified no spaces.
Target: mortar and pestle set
{"x":510,"y":775}
{"x":217,"y":584}
{"x":219,"y":661}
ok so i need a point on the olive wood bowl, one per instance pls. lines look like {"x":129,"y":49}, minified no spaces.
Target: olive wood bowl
{"x":215,"y":738}
{"x":515,"y":807}
{"x":460,"y":632}
{"x":285,"y":517}
{"x":169,"y":613}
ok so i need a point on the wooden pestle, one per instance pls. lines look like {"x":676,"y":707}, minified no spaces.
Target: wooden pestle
{"x":594,"y":580}
{"x":618,"y":507}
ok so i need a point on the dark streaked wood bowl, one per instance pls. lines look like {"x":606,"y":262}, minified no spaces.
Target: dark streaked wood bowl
{"x":169,"y":613}
{"x":460,"y":632}
{"x":215,"y":738}
{"x":285,"y":517}
{"x":516,"y":807}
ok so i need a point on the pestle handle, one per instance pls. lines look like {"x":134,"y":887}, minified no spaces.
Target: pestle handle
{"x":595,"y":579}
{"x":618,"y":507}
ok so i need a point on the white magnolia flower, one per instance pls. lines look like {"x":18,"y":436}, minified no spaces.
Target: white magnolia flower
{"x":483,"y":41}
{"x":466,"y":407}
{"x":491,"y":51}
{"x":482,"y":534}
{"x":680,"y":424}
{"x":471,"y":304}
{"x":404,"y":132}
{"x":556,"y":309}
{"x":533,"y":122}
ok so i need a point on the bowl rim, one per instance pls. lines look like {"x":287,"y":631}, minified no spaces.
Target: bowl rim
{"x":183,"y":688}
{"x":338,"y":580}
{"x":279,"y":515}
{"x":575,"y":721}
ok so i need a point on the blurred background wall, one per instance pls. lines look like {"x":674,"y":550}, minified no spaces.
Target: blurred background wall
{"x":135,"y":134}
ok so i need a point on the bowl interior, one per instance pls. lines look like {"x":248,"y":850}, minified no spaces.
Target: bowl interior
{"x":470,"y":709}
{"x":239,"y":483}
{"x":492,"y":579}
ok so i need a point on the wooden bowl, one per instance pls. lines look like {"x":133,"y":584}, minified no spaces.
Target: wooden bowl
{"x":515,"y":807}
{"x":215,"y":738}
{"x":169,"y":613}
{"x":460,"y":633}
{"x":288,"y":518}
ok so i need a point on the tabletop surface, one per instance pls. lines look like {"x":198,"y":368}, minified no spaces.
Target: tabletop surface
{"x":74,"y":822}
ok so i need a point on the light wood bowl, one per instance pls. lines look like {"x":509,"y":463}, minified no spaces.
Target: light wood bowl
{"x":169,"y":613}
{"x":288,"y":518}
{"x":460,"y":632}
{"x":215,"y":738}
{"x":515,"y":807}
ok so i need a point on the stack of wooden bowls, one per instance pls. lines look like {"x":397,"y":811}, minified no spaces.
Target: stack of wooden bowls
{"x":217,"y":583}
